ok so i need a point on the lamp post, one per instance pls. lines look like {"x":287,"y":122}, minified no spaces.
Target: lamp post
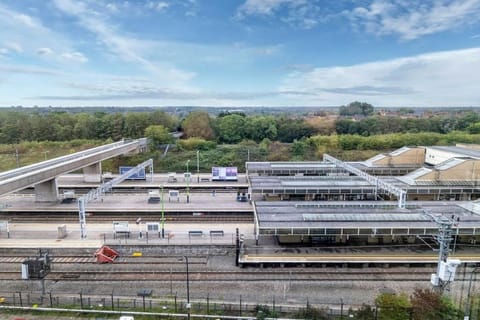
{"x":163,"y":216}
{"x":467,"y":302}
{"x":198,"y":164}
{"x":188,"y":289}
{"x":188,"y":182}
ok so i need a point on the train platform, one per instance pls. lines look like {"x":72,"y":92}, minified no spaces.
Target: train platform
{"x":353,"y":256}
{"x":134,"y":202}
{"x":47,"y":235}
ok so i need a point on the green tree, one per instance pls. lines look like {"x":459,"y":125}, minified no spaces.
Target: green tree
{"x":431,"y":305}
{"x":116,"y":124}
{"x":158,"y":117}
{"x":158,"y":135}
{"x":393,"y":306}
{"x":135,"y":124}
{"x":474,"y":128}
{"x":84,"y":127}
{"x":198,"y":124}
{"x":365,"y":312}
{"x":289,"y":129}
{"x":261,"y":127}
{"x":231,"y":128}
{"x":356,"y":108}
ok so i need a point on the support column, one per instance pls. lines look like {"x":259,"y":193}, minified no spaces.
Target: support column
{"x":93,"y":173}
{"x":46,"y":191}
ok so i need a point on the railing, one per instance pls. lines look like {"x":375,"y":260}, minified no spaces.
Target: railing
{"x":378,"y":183}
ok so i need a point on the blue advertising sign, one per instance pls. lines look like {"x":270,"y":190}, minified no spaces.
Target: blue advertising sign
{"x":136,"y":176}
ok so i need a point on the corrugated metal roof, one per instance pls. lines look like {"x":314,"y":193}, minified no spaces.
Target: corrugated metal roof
{"x":365,"y":217}
{"x":370,"y":162}
{"x":399,"y":151}
{"x":450,"y":163}
{"x":411,"y":178}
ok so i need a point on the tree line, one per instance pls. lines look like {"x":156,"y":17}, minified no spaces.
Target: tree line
{"x":16,"y":126}
{"x":391,"y":124}
{"x":230,"y":128}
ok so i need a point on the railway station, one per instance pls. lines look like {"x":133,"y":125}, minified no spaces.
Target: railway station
{"x":390,"y":199}
{"x":393,"y":199}
{"x":415,"y":208}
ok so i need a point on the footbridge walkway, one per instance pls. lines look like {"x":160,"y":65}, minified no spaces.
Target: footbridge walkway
{"x":43,"y":175}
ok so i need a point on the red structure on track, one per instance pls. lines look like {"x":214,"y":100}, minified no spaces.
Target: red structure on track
{"x":106,"y":255}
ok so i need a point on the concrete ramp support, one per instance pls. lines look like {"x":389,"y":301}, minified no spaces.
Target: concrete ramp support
{"x":46,"y":191}
{"x":93,"y":173}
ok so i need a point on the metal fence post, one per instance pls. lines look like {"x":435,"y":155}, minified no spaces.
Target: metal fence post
{"x":208,"y":303}
{"x":341,"y":308}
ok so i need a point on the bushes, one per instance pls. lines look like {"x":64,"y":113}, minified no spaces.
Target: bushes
{"x":196,"y":144}
{"x":392,"y":141}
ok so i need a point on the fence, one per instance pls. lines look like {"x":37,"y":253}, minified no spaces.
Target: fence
{"x":172,"y":305}
{"x":197,"y":237}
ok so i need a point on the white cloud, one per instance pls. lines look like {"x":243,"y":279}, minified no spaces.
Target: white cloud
{"x":434,"y":79}
{"x":127,"y":48}
{"x":26,"y":20}
{"x":298,"y":13}
{"x":44,"y":51}
{"x":10,"y":48}
{"x":21,"y":33}
{"x":14,"y":47}
{"x":74,"y":56}
{"x":412,"y":19}
{"x":15,"y":69}
{"x":265,"y":7}
{"x":157,"y":5}
{"x":111,"y":7}
{"x":404,"y":18}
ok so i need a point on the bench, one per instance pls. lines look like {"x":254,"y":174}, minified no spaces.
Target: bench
{"x":216,"y":233}
{"x":195,"y":233}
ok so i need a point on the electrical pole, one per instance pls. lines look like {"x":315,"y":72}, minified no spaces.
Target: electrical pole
{"x":445,"y":268}
{"x":163,"y":217}
{"x":188,"y":183}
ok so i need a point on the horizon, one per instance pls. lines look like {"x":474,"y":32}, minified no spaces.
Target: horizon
{"x":239,"y":54}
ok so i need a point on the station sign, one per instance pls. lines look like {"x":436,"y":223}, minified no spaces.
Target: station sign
{"x":224,"y":173}
{"x":140,"y":175}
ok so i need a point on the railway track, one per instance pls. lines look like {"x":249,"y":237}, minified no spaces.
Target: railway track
{"x":99,"y":218}
{"x":170,"y":268}
{"x":79,"y":260}
{"x":226,"y":276}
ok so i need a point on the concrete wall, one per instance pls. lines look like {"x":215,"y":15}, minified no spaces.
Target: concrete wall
{"x":93,"y":173}
{"x":435,"y":156}
{"x":46,"y":191}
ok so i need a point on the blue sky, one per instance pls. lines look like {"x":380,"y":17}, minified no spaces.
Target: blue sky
{"x":239,"y":52}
